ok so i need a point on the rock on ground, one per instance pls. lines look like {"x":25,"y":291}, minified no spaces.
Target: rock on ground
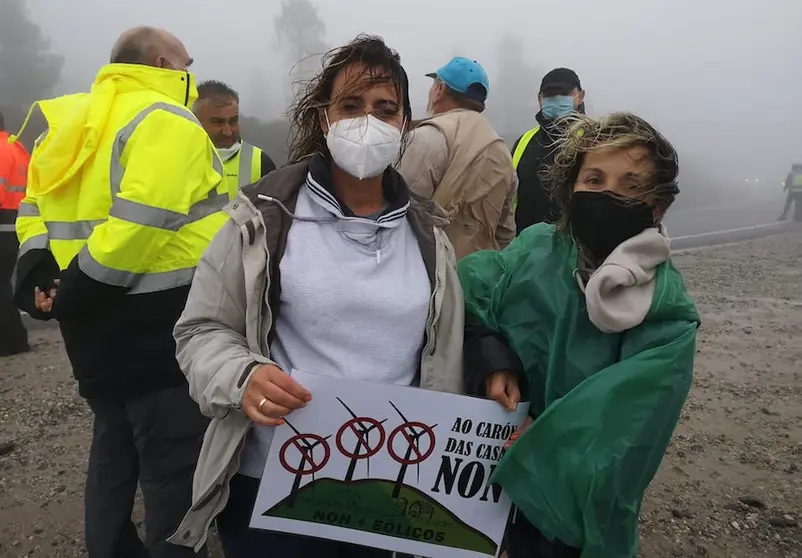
{"x":730,"y":485}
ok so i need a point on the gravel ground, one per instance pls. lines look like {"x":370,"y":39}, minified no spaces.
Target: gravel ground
{"x":730,"y":485}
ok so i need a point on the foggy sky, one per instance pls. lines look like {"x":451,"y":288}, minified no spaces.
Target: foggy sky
{"x":721,"y":78}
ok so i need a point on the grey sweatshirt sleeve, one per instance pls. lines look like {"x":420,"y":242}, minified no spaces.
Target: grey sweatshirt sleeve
{"x":211,"y":344}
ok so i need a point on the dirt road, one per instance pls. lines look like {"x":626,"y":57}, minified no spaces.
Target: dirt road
{"x":730,"y":485}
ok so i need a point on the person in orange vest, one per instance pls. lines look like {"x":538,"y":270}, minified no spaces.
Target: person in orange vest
{"x":13,"y":176}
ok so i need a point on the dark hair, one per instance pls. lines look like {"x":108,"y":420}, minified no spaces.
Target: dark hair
{"x":469,"y":101}
{"x":620,"y":130}
{"x":2,"y":122}
{"x":212,"y":88}
{"x":384,"y":65}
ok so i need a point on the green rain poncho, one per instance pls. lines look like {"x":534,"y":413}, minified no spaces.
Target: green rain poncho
{"x":605,"y":404}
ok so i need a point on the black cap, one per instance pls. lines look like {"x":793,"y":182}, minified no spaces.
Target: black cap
{"x":560,"y":81}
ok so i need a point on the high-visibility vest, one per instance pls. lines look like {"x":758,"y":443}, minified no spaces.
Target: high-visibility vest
{"x":13,"y":172}
{"x":126,"y":180}
{"x":243,"y":168}
{"x":523,"y":143}
{"x":796,"y":183}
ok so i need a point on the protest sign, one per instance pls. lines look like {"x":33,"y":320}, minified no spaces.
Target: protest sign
{"x":390,"y":467}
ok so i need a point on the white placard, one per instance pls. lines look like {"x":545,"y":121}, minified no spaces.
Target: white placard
{"x":390,"y":467}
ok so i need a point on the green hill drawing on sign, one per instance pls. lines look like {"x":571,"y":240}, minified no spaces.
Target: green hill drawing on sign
{"x":367,"y":505}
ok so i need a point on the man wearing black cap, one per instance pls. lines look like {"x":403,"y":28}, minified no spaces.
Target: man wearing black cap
{"x":560,"y":94}
{"x":456,"y":159}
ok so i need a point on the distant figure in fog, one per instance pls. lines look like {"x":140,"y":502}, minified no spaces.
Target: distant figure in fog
{"x":456,"y":159}
{"x":217,"y":108}
{"x":793,"y":185}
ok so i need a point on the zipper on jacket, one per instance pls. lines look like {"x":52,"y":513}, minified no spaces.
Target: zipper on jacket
{"x":265,"y":349}
{"x":186,"y":93}
{"x":428,"y":346}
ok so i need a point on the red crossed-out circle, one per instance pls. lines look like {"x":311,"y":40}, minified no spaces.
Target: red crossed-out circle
{"x":418,"y":457}
{"x":354,"y":425}
{"x":297,"y":442}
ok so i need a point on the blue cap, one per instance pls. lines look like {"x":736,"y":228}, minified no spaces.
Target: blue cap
{"x":460,"y":74}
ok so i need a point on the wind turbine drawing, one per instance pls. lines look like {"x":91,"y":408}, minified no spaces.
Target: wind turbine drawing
{"x":306,"y":444}
{"x":411,"y":431}
{"x":361,"y":427}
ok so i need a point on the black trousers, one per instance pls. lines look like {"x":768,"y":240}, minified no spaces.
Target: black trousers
{"x":524,"y":540}
{"x":796,"y":199}
{"x":240,"y":541}
{"x":153,"y":440}
{"x":13,"y":336}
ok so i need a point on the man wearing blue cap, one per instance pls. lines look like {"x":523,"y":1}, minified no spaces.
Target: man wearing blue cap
{"x":456,"y":159}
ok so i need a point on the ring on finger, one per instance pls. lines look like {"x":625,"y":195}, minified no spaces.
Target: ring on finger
{"x":261,"y":404}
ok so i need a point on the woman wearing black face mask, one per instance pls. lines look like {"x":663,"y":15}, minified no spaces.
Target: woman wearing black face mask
{"x":594,"y":322}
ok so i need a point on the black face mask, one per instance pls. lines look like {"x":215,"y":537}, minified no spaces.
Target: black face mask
{"x":600,"y":221}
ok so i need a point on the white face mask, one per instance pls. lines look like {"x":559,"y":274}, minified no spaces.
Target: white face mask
{"x":227,"y":153}
{"x":363,"y":147}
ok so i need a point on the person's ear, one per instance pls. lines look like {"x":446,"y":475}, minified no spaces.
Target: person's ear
{"x":581,"y":97}
{"x":438,"y":92}
{"x":323,"y":120}
{"x":540,"y":100}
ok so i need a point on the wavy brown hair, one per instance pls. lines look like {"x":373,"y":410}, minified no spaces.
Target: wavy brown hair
{"x":384,"y":65}
{"x":620,"y":130}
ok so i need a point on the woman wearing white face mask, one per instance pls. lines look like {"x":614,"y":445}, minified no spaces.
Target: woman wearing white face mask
{"x":329,"y":266}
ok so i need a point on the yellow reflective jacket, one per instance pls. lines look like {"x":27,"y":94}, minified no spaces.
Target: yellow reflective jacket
{"x":243,"y":168}
{"x":126,"y":179}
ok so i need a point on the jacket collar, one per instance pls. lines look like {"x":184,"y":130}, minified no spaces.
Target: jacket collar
{"x":396,"y":192}
{"x":177,"y":85}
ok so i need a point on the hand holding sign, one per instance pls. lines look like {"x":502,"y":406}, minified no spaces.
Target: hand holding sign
{"x":502,"y":387}
{"x":272,"y":394}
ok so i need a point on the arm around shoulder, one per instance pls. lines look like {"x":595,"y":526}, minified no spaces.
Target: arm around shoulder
{"x":211,"y":344}
{"x":484,"y":276}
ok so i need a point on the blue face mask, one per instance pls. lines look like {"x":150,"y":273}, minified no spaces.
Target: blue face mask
{"x":556,"y":107}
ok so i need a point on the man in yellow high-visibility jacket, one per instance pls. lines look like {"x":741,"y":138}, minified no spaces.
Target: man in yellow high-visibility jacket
{"x":217,"y":108}
{"x":125,"y":190}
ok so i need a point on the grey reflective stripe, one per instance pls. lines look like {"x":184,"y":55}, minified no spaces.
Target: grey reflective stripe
{"x":17,"y":188}
{"x":28,"y":210}
{"x":146,"y":215}
{"x":141,"y":214}
{"x":7,"y":228}
{"x":117,"y":171}
{"x":71,"y":230}
{"x":139,"y":283}
{"x":245,"y":162}
{"x":38,"y":242}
